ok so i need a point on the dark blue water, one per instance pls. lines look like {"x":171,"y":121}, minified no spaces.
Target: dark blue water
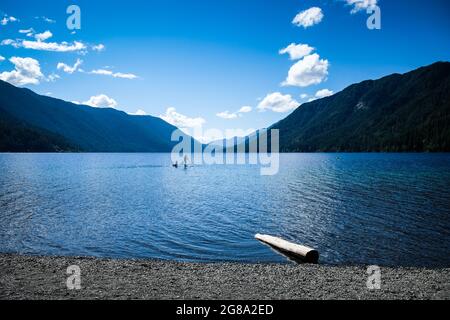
{"x":385,"y":209}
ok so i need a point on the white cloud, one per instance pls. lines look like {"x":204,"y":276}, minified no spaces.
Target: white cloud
{"x":304,"y":96}
{"x":323,"y":93}
{"x":114,"y":75}
{"x":68,"y":69}
{"x":10,"y":42}
{"x":53,"y":46}
{"x":43,"y":36}
{"x":48,"y":20}
{"x":44,"y":18}
{"x":7,"y":20}
{"x":101,"y":101}
{"x":181,"y":121}
{"x":278,"y":102}
{"x":125,"y":75}
{"x":2,"y":58}
{"x":308,"y":71}
{"x":45,"y":46}
{"x":99,"y":47}
{"x":227,"y":115}
{"x":53,"y":77}
{"x":245,"y":109}
{"x":233,"y":115}
{"x":308,"y":18}
{"x":139,"y":112}
{"x":359,"y":5}
{"x":27,"y":71}
{"x":297,"y":51}
{"x":28,"y":32}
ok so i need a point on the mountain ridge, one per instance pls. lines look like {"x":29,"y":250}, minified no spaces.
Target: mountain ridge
{"x":407,"y":112}
{"x":396,"y":113}
{"x":87,"y":129}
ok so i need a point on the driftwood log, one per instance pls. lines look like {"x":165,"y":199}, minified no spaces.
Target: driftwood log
{"x":303,"y":253}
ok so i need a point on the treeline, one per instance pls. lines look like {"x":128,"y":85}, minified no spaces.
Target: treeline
{"x":17,"y":137}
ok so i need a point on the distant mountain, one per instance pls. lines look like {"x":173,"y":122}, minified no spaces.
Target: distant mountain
{"x":31,"y":122}
{"x":398,"y":113}
{"x":19,"y":137}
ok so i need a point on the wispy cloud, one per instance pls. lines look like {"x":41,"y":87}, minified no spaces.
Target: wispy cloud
{"x":227,"y":115}
{"x":29,"y":32}
{"x":7,"y":19}
{"x":69,"y":69}
{"x":139,"y":112}
{"x":10,"y":42}
{"x":359,"y":5}
{"x":245,"y":109}
{"x":181,"y":121}
{"x":234,"y":115}
{"x":99,"y":47}
{"x":53,"y":77}
{"x":45,"y":46}
{"x":114,"y":74}
{"x":40,"y":43}
{"x":46,"y":19}
{"x":53,"y":46}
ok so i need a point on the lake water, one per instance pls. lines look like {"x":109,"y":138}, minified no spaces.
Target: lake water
{"x":385,"y":209}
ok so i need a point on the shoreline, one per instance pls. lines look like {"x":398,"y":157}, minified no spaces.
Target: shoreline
{"x":40,"y":277}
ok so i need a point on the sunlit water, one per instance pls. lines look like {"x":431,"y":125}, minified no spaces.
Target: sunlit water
{"x":385,"y":209}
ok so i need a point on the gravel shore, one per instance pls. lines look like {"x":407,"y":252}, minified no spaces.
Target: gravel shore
{"x":29,"y":277}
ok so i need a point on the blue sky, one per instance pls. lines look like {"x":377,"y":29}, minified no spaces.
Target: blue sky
{"x":193,"y":60}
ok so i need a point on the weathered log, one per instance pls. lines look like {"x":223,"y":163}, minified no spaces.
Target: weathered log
{"x":305,"y":254}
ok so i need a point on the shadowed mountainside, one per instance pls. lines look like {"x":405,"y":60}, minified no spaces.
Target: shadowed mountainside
{"x":397,"y":113}
{"x":31,"y":122}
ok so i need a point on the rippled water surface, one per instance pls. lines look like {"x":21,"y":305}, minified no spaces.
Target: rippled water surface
{"x":386,"y":209}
